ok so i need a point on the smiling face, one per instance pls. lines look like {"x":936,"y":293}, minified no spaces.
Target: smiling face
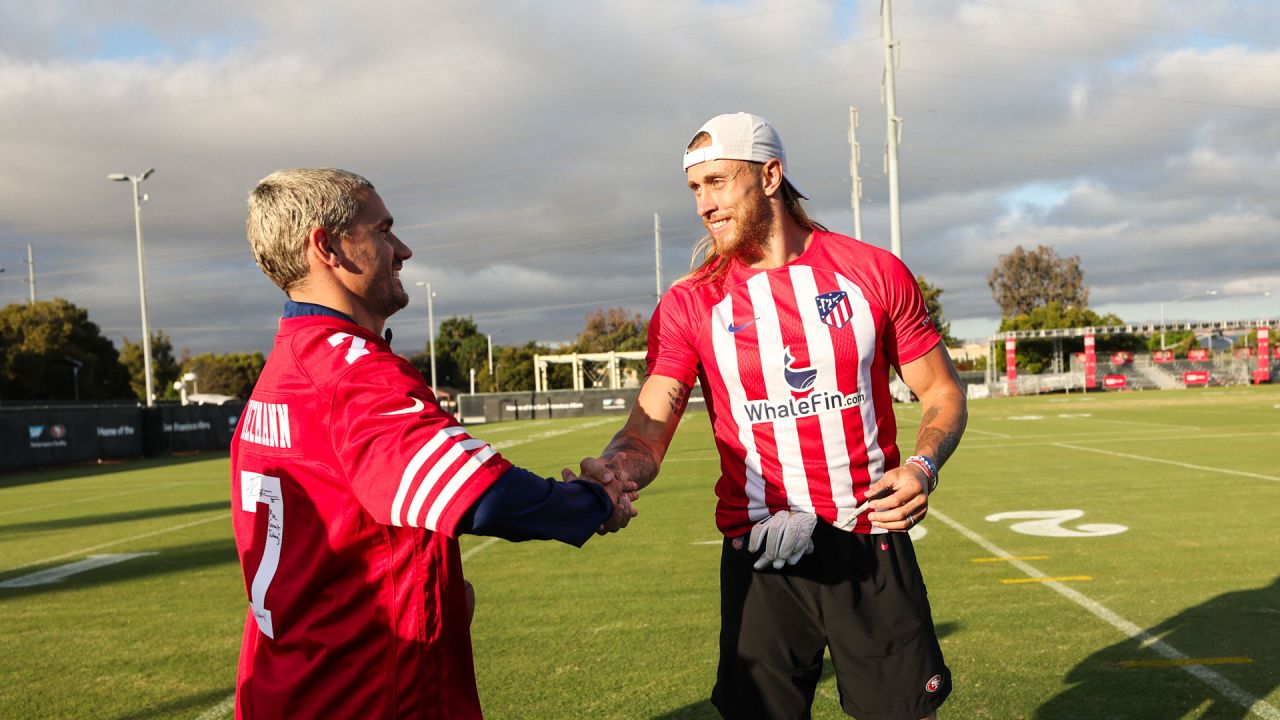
{"x":733,"y":206}
{"x":373,"y":257}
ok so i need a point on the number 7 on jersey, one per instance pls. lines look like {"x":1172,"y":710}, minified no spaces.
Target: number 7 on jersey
{"x":255,"y":489}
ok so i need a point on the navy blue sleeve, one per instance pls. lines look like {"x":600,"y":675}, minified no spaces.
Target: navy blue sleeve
{"x":523,"y":506}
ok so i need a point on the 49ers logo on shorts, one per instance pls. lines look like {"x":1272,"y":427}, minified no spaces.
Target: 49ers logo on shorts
{"x":934,"y":683}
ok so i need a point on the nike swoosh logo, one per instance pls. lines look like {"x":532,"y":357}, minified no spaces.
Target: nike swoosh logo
{"x":417,"y":406}
{"x":739,"y":328}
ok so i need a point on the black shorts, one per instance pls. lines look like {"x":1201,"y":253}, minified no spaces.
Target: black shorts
{"x":860,"y":595}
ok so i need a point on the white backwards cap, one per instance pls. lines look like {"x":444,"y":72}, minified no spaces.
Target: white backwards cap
{"x":740,"y":136}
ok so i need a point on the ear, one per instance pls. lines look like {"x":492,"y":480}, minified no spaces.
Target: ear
{"x":320,"y":248}
{"x":771,"y":177}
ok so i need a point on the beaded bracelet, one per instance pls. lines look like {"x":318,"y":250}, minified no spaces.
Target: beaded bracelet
{"x":930,"y":470}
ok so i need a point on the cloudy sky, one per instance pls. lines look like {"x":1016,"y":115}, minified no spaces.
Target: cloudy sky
{"x":524,"y":147}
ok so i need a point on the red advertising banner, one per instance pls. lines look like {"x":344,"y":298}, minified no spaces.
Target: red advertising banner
{"x":1162,"y":356}
{"x":1121,"y":358}
{"x":1198,"y":355}
{"x":1114,"y":381}
{"x":1090,"y":362}
{"x":1277,"y":351}
{"x":1011,"y":364}
{"x":1195,"y":377}
{"x":1264,"y":356}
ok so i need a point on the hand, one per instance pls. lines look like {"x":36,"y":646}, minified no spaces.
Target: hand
{"x":622,"y":492}
{"x":787,"y":536}
{"x":907,"y":502}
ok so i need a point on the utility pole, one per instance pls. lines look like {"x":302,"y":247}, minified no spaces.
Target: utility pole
{"x":657,"y":254}
{"x":31,"y":273}
{"x":894,"y":129}
{"x":855,"y":157}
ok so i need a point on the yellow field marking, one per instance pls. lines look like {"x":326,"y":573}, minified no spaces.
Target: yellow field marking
{"x":1008,"y":559}
{"x":1183,"y":662}
{"x":1017,"y":581}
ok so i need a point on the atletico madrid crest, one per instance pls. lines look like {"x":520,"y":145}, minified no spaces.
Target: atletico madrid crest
{"x":834,"y":308}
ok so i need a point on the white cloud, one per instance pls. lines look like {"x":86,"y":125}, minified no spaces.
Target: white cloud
{"x":524,"y":150}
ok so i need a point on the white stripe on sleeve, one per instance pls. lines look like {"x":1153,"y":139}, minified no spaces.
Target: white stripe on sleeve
{"x":464,"y":473}
{"x":411,"y":470}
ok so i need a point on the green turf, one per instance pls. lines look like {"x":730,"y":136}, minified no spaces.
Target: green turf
{"x":626,"y":627}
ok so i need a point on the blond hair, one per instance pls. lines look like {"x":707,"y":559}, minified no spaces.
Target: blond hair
{"x":286,"y":205}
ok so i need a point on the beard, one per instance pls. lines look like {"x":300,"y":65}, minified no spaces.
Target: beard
{"x":389,"y":298}
{"x":754,"y":222}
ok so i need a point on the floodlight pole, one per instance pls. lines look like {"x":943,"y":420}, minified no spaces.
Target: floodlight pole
{"x":138,"y":199}
{"x":855,"y":156}
{"x":894,"y":130}
{"x":31,"y":273}
{"x":657,"y":254}
{"x":431,"y":331}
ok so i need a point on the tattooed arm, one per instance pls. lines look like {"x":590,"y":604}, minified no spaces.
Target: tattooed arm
{"x":636,"y":452}
{"x":944,"y":414}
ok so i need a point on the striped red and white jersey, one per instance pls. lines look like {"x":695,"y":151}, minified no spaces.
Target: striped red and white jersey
{"x":794,"y":364}
{"x":348,"y":482}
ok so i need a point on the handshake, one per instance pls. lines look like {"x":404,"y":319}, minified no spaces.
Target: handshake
{"x":622,"y":491}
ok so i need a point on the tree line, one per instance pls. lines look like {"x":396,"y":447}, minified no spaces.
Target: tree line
{"x":50,"y":350}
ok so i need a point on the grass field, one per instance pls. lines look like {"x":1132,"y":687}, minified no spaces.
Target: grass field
{"x":1141,"y":579}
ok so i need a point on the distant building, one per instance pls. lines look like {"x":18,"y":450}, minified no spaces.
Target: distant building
{"x":971,"y":351}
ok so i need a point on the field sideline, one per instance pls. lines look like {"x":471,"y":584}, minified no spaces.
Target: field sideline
{"x":1096,"y":556}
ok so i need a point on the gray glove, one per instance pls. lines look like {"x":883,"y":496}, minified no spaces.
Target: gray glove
{"x":786,"y":537}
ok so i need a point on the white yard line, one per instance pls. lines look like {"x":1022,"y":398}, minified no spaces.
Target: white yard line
{"x":221,"y":710}
{"x":988,"y":432}
{"x":62,"y":572}
{"x":1189,"y":466}
{"x":1229,"y":689}
{"x":91,"y":548}
{"x":92,"y":498}
{"x":1033,"y":440}
{"x":478,"y":548}
{"x":1151,"y":424}
{"x":504,"y":444}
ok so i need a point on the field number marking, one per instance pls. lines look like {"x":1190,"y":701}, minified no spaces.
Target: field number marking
{"x":1189,"y":466}
{"x":1224,"y":686}
{"x":1048,"y":523}
{"x":62,"y":572}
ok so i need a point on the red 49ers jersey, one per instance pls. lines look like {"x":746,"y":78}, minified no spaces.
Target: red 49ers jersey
{"x":347,"y":485}
{"x":794,"y":364}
